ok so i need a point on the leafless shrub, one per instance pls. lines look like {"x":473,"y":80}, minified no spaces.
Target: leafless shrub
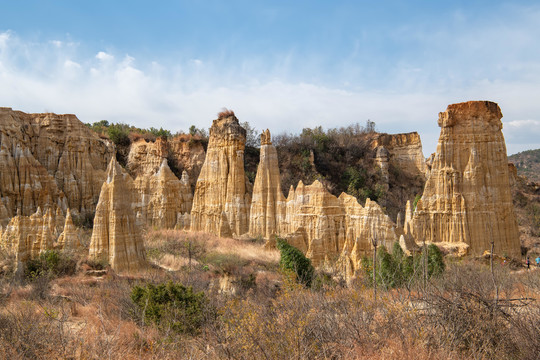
{"x":225,"y":113}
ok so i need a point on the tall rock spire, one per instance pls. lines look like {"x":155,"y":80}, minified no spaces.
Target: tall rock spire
{"x":116,"y":237}
{"x":222,"y":186}
{"x":467,"y":196}
{"x":268,"y":204}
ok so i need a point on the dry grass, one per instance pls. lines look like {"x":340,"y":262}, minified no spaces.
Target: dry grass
{"x":272,"y":317}
{"x":225,"y":113}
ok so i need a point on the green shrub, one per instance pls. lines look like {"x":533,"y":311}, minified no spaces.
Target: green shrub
{"x":397,"y":269}
{"x":295,"y":261}
{"x":118,"y":135}
{"x":170,"y":306}
{"x":50,"y":263}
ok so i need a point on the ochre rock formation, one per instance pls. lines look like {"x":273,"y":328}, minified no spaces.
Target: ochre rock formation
{"x":222,"y":195}
{"x":321,"y":216}
{"x":267,"y":202}
{"x":146,"y":157}
{"x":116,"y":236}
{"x":467,"y":196}
{"x":49,"y":160}
{"x":69,"y":238}
{"x":28,"y":236}
{"x":183,"y":152}
{"x":162,"y":197}
{"x":405,"y":151}
{"x":363,"y":226}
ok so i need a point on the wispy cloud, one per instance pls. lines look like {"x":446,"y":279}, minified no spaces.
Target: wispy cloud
{"x":499,"y":63}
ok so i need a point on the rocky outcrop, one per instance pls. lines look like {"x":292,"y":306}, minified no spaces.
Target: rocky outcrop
{"x":363,"y":226}
{"x":222,"y":195}
{"x":28,"y":236}
{"x":162,"y":197}
{"x":321,"y":216}
{"x":145,"y":158}
{"x":69,"y":238}
{"x":267,"y":203}
{"x":183,"y":153}
{"x":49,"y":160}
{"x":116,"y":236}
{"x":405,"y":151}
{"x":467,"y":195}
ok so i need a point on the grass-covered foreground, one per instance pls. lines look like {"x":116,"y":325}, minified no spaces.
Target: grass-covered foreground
{"x":211,"y":298}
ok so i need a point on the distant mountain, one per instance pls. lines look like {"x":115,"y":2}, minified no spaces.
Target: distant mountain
{"x":527,"y":164}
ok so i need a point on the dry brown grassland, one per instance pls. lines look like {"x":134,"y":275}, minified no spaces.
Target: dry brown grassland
{"x":254,"y":311}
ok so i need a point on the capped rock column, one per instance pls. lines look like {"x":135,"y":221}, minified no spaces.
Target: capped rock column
{"x":116,"y":237}
{"x":467,"y":196}
{"x":222,"y":186}
{"x":268,"y":205}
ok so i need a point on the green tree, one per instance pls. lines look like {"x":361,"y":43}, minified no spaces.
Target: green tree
{"x":118,"y":134}
{"x":295,"y":261}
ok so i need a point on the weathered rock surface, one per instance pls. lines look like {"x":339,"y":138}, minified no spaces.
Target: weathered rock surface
{"x":183,"y":153}
{"x":28,"y":236}
{"x":363,"y":225}
{"x":222,"y":197}
{"x":162,"y":197}
{"x":69,"y":238}
{"x":116,"y":236}
{"x":467,"y":196}
{"x":405,"y":151}
{"x":49,"y":160}
{"x":267,"y":202}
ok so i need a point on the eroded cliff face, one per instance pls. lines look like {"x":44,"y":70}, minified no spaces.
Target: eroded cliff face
{"x":183,"y":153}
{"x":28,"y":236}
{"x":222,"y":198}
{"x":268,"y":206}
{"x":49,"y":160}
{"x":116,"y":236}
{"x":162,"y":197}
{"x":467,"y":196}
{"x":405,"y":151}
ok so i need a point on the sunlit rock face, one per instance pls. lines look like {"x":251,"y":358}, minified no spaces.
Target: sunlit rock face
{"x":28,"y":236}
{"x":116,"y":236}
{"x":162,"y":197}
{"x":404,"y":150}
{"x":467,"y":195}
{"x":49,"y":160}
{"x":268,"y":203}
{"x":222,"y":195}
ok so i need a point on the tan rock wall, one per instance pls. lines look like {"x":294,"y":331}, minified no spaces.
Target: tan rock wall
{"x":222,"y":195}
{"x":49,"y":160}
{"x":467,"y":196}
{"x":405,"y":151}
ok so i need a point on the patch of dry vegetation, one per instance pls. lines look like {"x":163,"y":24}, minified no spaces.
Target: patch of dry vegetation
{"x":268,"y":315}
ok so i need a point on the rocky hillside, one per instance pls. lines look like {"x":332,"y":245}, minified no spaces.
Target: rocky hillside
{"x":527,"y":164}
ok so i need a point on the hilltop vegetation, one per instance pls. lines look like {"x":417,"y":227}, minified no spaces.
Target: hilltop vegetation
{"x":527,"y":164}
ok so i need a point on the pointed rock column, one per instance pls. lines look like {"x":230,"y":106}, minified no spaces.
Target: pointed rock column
{"x":222,"y":186}
{"x":116,"y":237}
{"x":268,"y":204}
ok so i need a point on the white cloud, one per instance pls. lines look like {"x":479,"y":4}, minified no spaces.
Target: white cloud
{"x":4,"y":38}
{"x":103,"y":56}
{"x":120,"y":88}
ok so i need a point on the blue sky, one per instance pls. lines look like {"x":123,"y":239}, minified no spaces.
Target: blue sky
{"x":282,"y":65}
